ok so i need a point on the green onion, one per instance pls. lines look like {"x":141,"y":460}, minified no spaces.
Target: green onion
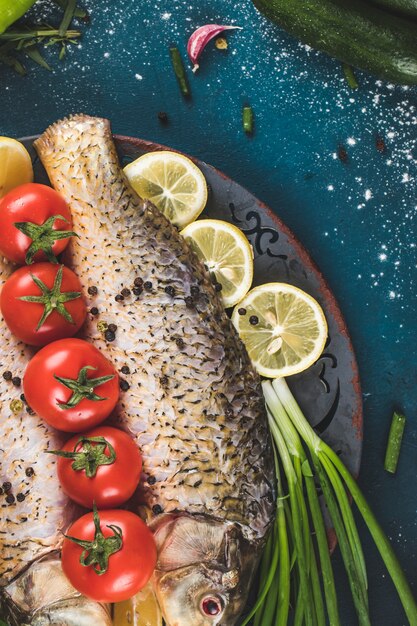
{"x":247,"y":119}
{"x":350,"y":76}
{"x":179,"y":69}
{"x":332,"y":474}
{"x":394,"y":442}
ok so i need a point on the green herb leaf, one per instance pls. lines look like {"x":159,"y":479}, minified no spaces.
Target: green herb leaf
{"x":68,"y":17}
{"x":33,"y":53}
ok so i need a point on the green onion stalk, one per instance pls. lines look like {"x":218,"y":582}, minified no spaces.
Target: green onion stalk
{"x":309,"y":463}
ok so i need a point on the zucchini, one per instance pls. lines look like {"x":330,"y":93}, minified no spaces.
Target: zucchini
{"x":406,"y":8}
{"x":357,"y":33}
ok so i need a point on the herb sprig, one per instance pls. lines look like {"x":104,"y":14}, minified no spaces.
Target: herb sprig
{"x":25,"y":40}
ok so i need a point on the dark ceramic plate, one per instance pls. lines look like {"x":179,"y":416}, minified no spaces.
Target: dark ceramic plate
{"x":329,"y":391}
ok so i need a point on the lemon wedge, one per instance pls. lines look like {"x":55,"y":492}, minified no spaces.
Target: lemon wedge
{"x":283,"y":328}
{"x":15,"y":165}
{"x":172,"y":182}
{"x":227,"y":254}
{"x":141,"y":610}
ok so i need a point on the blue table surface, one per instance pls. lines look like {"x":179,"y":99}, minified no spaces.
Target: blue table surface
{"x":357,"y":219}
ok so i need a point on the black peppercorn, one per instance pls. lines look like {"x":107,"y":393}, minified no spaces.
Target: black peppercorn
{"x":218,"y":287}
{"x":22,"y":397}
{"x":194,"y":290}
{"x":241,"y":311}
{"x":93,"y":291}
{"x":7,"y":375}
{"x":151,"y":480}
{"x":254,"y":319}
{"x":30,"y":411}
{"x":180,"y":343}
{"x":157,"y":509}
{"x":109,"y":336}
{"x":124,"y":385}
{"x":94,"y":310}
{"x":163,"y":117}
{"x":10,"y":498}
{"x":20,"y":497}
{"x":112,"y":328}
{"x":147,"y":285}
{"x":125,"y":292}
{"x":29,"y":471}
{"x":119,"y":298}
{"x":17,"y":381}
{"x":6,"y":486}
{"x":342,"y":154}
{"x":189,"y":301}
{"x":137,"y":291}
{"x":170,"y":290}
{"x":138,"y":282}
{"x":125,"y":369}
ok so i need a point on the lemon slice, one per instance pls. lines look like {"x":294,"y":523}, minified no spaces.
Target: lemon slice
{"x":141,"y":610}
{"x":226,"y":253}
{"x":283,"y":328}
{"x":172,"y":182}
{"x":15,"y":165}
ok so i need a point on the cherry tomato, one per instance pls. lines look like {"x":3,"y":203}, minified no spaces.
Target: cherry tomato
{"x":35,"y":224}
{"x":131,"y":555}
{"x":43,"y":303}
{"x":71,"y":385}
{"x":101,"y":467}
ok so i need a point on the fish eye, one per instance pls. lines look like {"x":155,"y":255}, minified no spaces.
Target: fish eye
{"x":211,"y":606}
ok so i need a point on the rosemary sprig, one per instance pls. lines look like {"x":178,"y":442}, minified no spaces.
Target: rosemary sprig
{"x":27,"y":39}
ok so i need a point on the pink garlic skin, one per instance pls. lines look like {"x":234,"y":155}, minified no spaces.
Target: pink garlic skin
{"x":201,"y":37}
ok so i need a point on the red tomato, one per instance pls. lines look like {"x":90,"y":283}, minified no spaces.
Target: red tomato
{"x":43,"y":303}
{"x":28,"y":231}
{"x":128,"y":568}
{"x":71,"y":385}
{"x":87,"y":478}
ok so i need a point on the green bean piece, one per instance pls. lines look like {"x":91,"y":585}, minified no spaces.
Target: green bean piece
{"x":247,"y":118}
{"x":394,"y":442}
{"x":179,"y":69}
{"x":350,"y":76}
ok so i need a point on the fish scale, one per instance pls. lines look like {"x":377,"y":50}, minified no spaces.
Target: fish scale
{"x":196,"y":413}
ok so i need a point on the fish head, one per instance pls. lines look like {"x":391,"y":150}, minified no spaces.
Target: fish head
{"x":204,"y":571}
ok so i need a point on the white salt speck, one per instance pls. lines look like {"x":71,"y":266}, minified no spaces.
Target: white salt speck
{"x":382,"y":256}
{"x":391,"y":135}
{"x":368,"y":194}
{"x":138,"y":77}
{"x":405,"y":178}
{"x":392,"y":295}
{"x":166,"y":16}
{"x":330,"y":188}
{"x":106,"y":55}
{"x":351,"y":141}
